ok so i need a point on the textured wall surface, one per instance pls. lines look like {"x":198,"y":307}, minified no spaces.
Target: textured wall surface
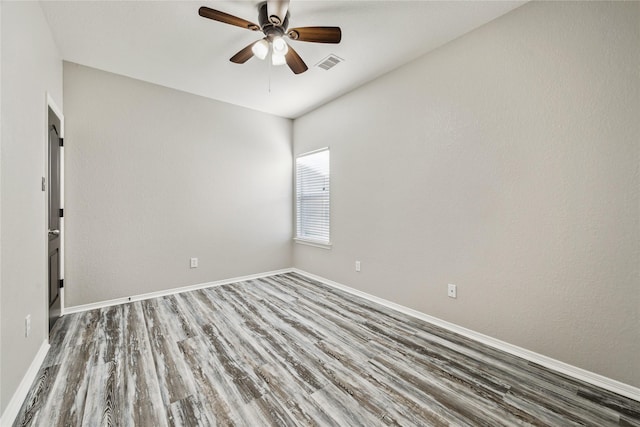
{"x":31,"y":67}
{"x":155,"y":176}
{"x":505,"y":162}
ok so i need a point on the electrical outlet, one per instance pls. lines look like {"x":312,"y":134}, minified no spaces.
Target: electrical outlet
{"x":27,"y":326}
{"x":452,"y":291}
{"x":194,"y":262}
{"x":357,"y":265}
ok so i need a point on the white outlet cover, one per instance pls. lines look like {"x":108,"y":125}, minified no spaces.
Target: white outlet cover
{"x":452,"y":291}
{"x":194,"y":262}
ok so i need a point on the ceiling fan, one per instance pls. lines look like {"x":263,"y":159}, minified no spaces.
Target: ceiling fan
{"x":273,"y":17}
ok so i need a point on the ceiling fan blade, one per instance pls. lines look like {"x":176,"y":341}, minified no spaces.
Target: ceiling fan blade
{"x":244,"y":55}
{"x":277,"y":11}
{"x":294,"y":61}
{"x":316,"y":34}
{"x":223,"y":17}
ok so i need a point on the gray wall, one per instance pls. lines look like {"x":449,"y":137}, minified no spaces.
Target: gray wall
{"x":155,"y":176}
{"x":505,"y":162}
{"x":31,"y":66}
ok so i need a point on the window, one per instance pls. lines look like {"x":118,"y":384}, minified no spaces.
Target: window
{"x":312,"y":197}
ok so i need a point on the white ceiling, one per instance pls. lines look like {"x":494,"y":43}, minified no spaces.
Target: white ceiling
{"x":168,"y":43}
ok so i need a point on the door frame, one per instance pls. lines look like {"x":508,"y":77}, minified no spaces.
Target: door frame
{"x":50,"y":103}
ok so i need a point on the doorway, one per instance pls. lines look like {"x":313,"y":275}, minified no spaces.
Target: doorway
{"x":54,"y":213}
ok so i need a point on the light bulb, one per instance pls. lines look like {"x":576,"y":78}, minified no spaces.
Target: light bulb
{"x":260,"y":49}
{"x":280,"y":46}
{"x":277,"y":59}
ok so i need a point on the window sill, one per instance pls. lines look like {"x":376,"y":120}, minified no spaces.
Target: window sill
{"x":313,"y":243}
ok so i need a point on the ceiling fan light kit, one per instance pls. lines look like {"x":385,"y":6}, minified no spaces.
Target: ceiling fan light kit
{"x":273,"y":16}
{"x":260,"y":49}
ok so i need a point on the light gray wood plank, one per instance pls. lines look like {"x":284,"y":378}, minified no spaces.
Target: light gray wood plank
{"x":189,"y":412}
{"x":37,"y":396}
{"x":142,"y":399}
{"x":174,"y":379}
{"x":102,"y":404}
{"x":217,"y":391}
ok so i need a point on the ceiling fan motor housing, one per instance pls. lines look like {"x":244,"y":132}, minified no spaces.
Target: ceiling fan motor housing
{"x":268,"y":27}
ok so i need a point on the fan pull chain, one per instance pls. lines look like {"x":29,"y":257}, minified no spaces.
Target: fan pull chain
{"x":270,"y":61}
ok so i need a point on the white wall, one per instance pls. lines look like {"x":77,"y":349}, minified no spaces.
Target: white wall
{"x":155,"y":176}
{"x":31,"y":66}
{"x":505,"y":162}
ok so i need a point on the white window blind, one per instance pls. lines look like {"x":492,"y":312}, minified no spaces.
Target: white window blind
{"x":312,"y":196}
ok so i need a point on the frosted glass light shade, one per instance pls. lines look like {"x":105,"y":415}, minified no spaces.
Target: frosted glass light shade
{"x":260,"y":49}
{"x":280,"y":46}
{"x":277,"y":59}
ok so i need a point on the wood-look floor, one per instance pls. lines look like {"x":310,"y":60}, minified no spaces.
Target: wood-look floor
{"x":289,"y":351}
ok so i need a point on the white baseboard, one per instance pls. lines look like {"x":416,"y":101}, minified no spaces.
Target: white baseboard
{"x":556,"y":365}
{"x":11,"y":412}
{"x":172,"y":291}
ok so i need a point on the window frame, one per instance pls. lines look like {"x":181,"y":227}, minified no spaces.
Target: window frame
{"x":306,"y":240}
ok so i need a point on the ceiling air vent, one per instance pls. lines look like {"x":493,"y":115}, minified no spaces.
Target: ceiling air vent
{"x":329,"y":62}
